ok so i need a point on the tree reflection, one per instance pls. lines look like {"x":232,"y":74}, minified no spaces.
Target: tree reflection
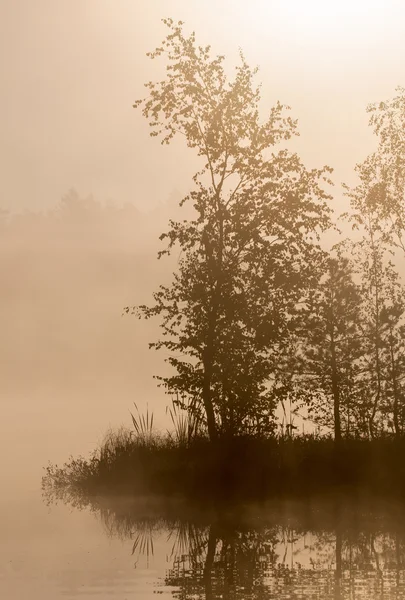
{"x":231,"y":564}
{"x":325,"y":551}
{"x":283,"y":562}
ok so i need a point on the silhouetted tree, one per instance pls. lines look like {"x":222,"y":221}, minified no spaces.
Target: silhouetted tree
{"x":378,"y":211}
{"x":383,"y":310}
{"x":380,"y":194}
{"x":251,"y":248}
{"x":330,"y":344}
{"x":394,"y":337}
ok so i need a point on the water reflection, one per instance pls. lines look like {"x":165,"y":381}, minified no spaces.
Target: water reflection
{"x":323,"y":550}
{"x":286,"y":564}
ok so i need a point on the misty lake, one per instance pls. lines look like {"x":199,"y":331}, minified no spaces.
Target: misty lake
{"x":280,"y":320}
{"x":126,"y":549}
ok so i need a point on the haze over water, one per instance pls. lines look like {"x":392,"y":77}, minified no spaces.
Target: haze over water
{"x":283,"y":551}
{"x":71,"y":366}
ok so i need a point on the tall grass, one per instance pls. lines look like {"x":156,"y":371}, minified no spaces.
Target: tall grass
{"x":184,"y":462}
{"x":143,"y":426}
{"x":186,"y":424}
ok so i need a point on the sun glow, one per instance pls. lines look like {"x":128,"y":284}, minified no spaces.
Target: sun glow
{"x":321,"y":19}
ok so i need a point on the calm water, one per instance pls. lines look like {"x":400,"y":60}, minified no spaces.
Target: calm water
{"x":336,"y":549}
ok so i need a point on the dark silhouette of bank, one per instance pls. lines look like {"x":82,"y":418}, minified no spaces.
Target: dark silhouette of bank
{"x":231,"y":470}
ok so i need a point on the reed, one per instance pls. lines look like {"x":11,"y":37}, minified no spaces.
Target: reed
{"x":186,"y":424}
{"x":143,"y":426}
{"x":183,"y":462}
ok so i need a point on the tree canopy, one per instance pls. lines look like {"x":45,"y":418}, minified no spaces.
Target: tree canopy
{"x":259,"y":315}
{"x":250,"y":250}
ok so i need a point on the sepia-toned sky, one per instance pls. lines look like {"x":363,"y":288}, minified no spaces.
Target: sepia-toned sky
{"x":71,"y":69}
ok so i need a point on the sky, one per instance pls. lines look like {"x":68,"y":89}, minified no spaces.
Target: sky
{"x":71,"y":70}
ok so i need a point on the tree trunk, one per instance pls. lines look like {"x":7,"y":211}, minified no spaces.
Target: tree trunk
{"x":376,"y":340}
{"x":208,"y":362}
{"x":206,"y":394}
{"x":215,"y":268}
{"x":397,"y":426}
{"x":336,"y":392}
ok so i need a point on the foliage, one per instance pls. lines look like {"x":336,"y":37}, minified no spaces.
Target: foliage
{"x":249,"y":251}
{"x":71,"y":482}
{"x":382,"y":322}
{"x":379,"y":197}
{"x":377,"y":201}
{"x":377,"y":204}
{"x":330,"y":346}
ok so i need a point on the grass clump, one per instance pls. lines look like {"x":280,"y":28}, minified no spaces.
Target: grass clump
{"x":183,"y":462}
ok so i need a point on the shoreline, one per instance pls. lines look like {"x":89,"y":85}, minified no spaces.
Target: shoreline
{"x":234,"y":470}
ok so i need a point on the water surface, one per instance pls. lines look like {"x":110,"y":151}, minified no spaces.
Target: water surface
{"x":324,"y":549}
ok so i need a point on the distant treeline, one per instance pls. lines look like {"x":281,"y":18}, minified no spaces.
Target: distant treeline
{"x":88,"y":215}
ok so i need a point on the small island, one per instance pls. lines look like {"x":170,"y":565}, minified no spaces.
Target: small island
{"x":285,"y":337}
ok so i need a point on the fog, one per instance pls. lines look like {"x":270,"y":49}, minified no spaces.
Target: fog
{"x":72,"y":365}
{"x":85,"y":195}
